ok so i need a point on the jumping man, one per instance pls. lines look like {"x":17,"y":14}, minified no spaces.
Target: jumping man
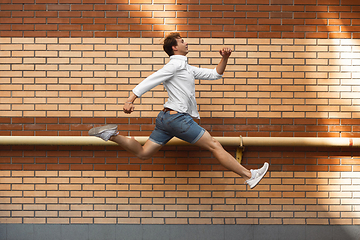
{"x":176,"y":119}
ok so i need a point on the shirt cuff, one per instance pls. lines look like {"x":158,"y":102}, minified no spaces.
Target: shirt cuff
{"x":218,"y":75}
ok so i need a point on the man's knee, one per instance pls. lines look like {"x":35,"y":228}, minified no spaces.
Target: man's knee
{"x":143,"y":157}
{"x":215,"y":145}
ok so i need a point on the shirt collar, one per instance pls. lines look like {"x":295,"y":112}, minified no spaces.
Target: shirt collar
{"x":179,"y":57}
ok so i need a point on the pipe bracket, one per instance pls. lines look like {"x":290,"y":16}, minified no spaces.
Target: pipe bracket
{"x":240,"y":150}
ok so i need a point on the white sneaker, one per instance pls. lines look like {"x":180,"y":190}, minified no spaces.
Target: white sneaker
{"x":257,"y":175}
{"x":104,"y":132}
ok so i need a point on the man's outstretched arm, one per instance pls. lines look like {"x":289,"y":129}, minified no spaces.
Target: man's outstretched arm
{"x":225,"y":53}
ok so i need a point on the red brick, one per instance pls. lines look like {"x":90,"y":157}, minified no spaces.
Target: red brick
{"x":57,"y":167}
{"x":23,"y":27}
{"x":212,"y":15}
{"x":328,"y":161}
{"x":23,"y":133}
{"x":152,"y":167}
{"x":5,"y":160}
{"x":105,"y":167}
{"x":222,"y":8}
{"x":58,"y":20}
{"x":93,"y":27}
{"x":106,"y":34}
{"x":350,"y":134}
{"x":282,"y":161}
{"x":128,"y":167}
{"x":117,"y":14}
{"x":327,"y":134}
{"x":305,"y":28}
{"x":349,"y":2}
{"x":12,"y":127}
{"x":46,"y":160}
{"x":281,"y":134}
{"x":152,"y":21}
{"x":269,"y":35}
{"x":105,"y":21}
{"x":47,"y":14}
{"x":340,"y":168}
{"x":316,"y":35}
{"x":11,"y":167}
{"x":194,"y":8}
{"x":317,"y":168}
{"x":5,"y":14}
{"x":11,"y":7}
{"x":107,"y":7}
{"x":342,"y":35}
{"x":81,"y":167}
{"x":188,"y":28}
{"x":70,"y":160}
{"x":258,"y":121}
{"x":201,"y":168}
{"x":203,"y":21}
{"x":81,"y":34}
{"x":34,"y":167}
{"x":35,"y":20}
{"x":290,"y":168}
{"x":211,"y":27}
{"x":317,"y":22}
{"x":272,"y":8}
{"x":22,"y":14}
{"x":46,"y":27}
{"x":70,"y":120}
{"x":355,"y":168}
{"x":34,"y":34}
{"x":140,"y":14}
{"x":93,"y":14}
{"x":117,"y":160}
{"x":257,"y":15}
{"x":81,"y":7}
{"x":82,"y":20}
{"x":72,"y":2}
{"x":128,"y":20}
{"x":58,"y":7}
{"x":35,"y":7}
{"x":93,"y":1}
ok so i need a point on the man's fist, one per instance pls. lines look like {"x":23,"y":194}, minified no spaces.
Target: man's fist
{"x":225,"y":52}
{"x":128,"y":107}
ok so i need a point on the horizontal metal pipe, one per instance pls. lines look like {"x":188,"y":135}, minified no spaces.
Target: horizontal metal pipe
{"x":226,"y":141}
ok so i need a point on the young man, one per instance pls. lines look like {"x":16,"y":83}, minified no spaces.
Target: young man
{"x":176,"y":119}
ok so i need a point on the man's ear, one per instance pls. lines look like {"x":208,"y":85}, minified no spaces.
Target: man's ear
{"x":174,"y":48}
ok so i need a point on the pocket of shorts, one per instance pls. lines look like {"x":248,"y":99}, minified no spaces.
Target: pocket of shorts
{"x":177,"y":123}
{"x":184,"y":127}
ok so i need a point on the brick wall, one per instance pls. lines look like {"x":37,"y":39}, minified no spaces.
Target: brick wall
{"x":177,"y":197}
{"x":194,"y":18}
{"x":66,"y":66}
{"x":266,"y":78}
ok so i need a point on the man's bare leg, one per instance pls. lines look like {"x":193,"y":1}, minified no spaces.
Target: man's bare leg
{"x":225,"y":158}
{"x":134,"y":147}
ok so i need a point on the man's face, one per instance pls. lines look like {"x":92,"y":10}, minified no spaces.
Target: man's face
{"x":181,"y":48}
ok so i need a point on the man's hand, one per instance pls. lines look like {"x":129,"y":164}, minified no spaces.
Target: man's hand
{"x":225,"y":52}
{"x":128,"y":107}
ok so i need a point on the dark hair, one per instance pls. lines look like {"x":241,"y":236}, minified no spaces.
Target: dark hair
{"x":169,"y":42}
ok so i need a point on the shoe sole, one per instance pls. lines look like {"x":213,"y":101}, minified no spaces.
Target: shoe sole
{"x":97,"y":130}
{"x":262,"y":175}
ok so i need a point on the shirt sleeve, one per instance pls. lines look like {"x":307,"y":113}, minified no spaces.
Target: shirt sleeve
{"x":160,"y":76}
{"x":205,"y":73}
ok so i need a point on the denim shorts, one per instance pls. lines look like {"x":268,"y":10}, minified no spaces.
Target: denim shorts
{"x":180,"y":125}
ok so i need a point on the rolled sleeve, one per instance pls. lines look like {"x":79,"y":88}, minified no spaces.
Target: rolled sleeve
{"x":206,"y":74}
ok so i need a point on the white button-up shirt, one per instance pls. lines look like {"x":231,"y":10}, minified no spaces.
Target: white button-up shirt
{"x":178,"y":78}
